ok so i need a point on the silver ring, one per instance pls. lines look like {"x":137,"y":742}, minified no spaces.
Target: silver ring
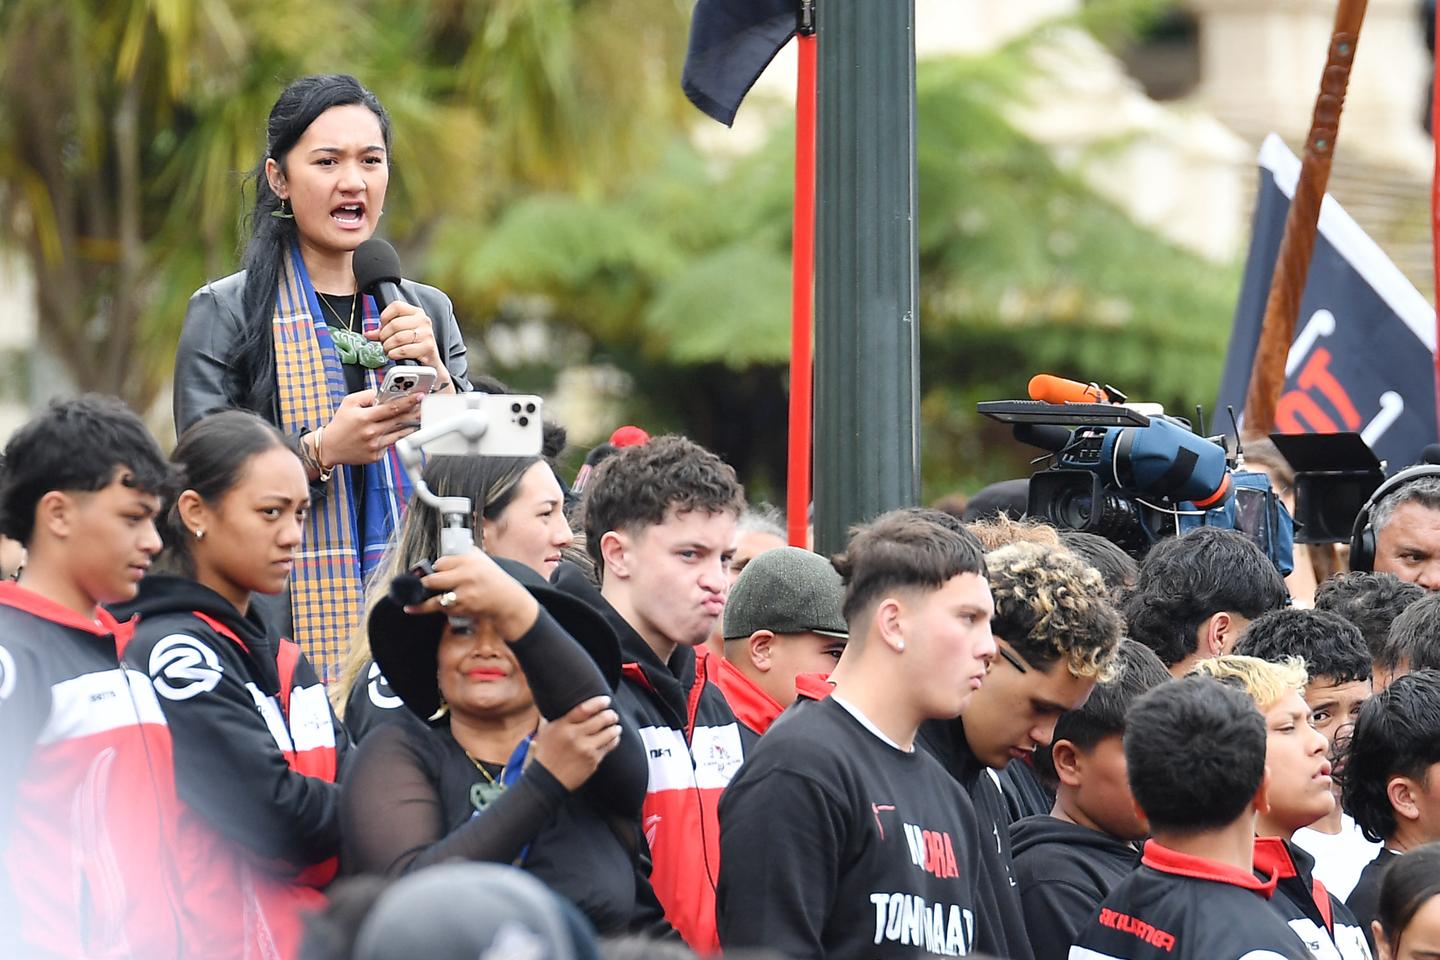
{"x":447,"y":599}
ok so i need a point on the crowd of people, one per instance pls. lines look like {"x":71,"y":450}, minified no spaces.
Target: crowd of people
{"x":249,"y":707}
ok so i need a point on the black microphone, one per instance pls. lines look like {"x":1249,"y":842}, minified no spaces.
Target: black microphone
{"x":377,"y":274}
{"x":1431,"y":453}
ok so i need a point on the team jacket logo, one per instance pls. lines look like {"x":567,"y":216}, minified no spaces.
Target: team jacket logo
{"x":944,"y":930}
{"x":1157,"y":938}
{"x":932,"y":851}
{"x":182,"y":667}
{"x":7,"y":673}
{"x":379,"y":689}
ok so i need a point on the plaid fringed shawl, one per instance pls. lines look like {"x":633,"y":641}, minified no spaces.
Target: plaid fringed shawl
{"x":345,"y":534}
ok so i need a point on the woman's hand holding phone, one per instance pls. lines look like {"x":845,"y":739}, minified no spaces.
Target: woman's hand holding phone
{"x":362,"y":430}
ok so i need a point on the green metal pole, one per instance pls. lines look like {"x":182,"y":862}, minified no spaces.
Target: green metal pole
{"x":867,"y":441}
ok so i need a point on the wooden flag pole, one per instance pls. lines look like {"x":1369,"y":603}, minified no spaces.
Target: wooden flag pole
{"x":1287,"y":286}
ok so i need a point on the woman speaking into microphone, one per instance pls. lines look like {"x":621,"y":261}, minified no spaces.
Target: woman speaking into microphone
{"x":291,"y":338}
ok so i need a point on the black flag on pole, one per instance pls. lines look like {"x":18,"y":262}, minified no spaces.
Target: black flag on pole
{"x":731,"y":44}
{"x":1363,"y":358}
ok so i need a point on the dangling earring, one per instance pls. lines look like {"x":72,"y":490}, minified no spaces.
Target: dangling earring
{"x":200,"y":533}
{"x":441,"y":711}
{"x":285,"y":212}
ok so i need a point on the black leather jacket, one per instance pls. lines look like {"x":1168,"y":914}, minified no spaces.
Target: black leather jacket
{"x":212,"y":328}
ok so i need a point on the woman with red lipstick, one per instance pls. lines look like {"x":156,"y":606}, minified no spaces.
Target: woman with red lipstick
{"x":256,"y":746}
{"x":289,"y":338}
{"x":479,"y":776}
{"x":521,"y":517}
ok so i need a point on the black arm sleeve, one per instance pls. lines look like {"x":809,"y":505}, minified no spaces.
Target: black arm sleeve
{"x":228,"y":767}
{"x":560,"y":672}
{"x":562,"y":676}
{"x":618,"y":785}
{"x":778,"y":870}
{"x":392,"y":817}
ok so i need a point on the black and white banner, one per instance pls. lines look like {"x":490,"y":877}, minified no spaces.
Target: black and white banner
{"x":1363,"y":358}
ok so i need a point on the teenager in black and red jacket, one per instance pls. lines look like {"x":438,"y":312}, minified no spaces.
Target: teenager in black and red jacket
{"x":1299,"y":793}
{"x":660,"y":525}
{"x":1195,"y":751}
{"x":87,"y":790}
{"x":257,"y":748}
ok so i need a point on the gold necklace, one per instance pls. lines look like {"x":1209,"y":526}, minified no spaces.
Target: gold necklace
{"x":354,"y":302}
{"x":480,"y":765}
{"x":484,"y":794}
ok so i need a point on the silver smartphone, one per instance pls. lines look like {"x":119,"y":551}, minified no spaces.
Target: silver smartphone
{"x":405,"y":381}
{"x":512,"y":424}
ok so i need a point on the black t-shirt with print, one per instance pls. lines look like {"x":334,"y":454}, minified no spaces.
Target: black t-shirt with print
{"x":836,"y":844}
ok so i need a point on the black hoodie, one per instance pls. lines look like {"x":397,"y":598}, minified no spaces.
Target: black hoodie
{"x":229,"y":766}
{"x":999,"y":906}
{"x":1064,"y":871}
{"x":694,"y":747}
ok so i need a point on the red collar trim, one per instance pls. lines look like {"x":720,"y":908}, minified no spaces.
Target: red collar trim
{"x":1273,"y":857}
{"x":752,"y":706}
{"x":1198,"y":868}
{"x":14,"y":595}
{"x":813,"y":686}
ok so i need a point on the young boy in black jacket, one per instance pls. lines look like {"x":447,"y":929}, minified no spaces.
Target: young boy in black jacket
{"x":1339,"y":666}
{"x":839,"y":838}
{"x":1299,"y":778}
{"x":1195,"y":752}
{"x":1066,"y":862}
{"x":1056,"y":633}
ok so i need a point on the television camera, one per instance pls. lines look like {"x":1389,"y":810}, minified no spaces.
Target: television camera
{"x":1133,"y":475}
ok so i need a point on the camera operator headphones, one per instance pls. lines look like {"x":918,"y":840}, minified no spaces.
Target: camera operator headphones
{"x":1362,"y":537}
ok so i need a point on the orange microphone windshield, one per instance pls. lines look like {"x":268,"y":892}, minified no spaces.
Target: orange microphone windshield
{"x":1059,"y":390}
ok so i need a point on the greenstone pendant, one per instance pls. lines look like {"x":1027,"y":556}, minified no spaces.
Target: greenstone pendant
{"x":356,"y":348}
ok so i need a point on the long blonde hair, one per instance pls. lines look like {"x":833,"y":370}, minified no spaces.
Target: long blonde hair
{"x":490,"y":482}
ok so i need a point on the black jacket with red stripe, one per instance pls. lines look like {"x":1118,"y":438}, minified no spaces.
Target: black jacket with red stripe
{"x":1322,"y":922}
{"x":694,"y":748}
{"x":1181,"y":907}
{"x":257,"y":751}
{"x":87,"y":791}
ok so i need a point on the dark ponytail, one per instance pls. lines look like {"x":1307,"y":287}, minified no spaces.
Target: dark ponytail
{"x":253,"y":373}
{"x":210,"y":459}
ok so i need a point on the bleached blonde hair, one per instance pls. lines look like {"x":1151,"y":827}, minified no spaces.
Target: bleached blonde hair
{"x":1264,"y":681}
{"x":1050,"y":605}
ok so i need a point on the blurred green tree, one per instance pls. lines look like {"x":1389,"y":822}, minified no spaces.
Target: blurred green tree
{"x":682,"y":280}
{"x":544,"y":176}
{"x":127,"y":125}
